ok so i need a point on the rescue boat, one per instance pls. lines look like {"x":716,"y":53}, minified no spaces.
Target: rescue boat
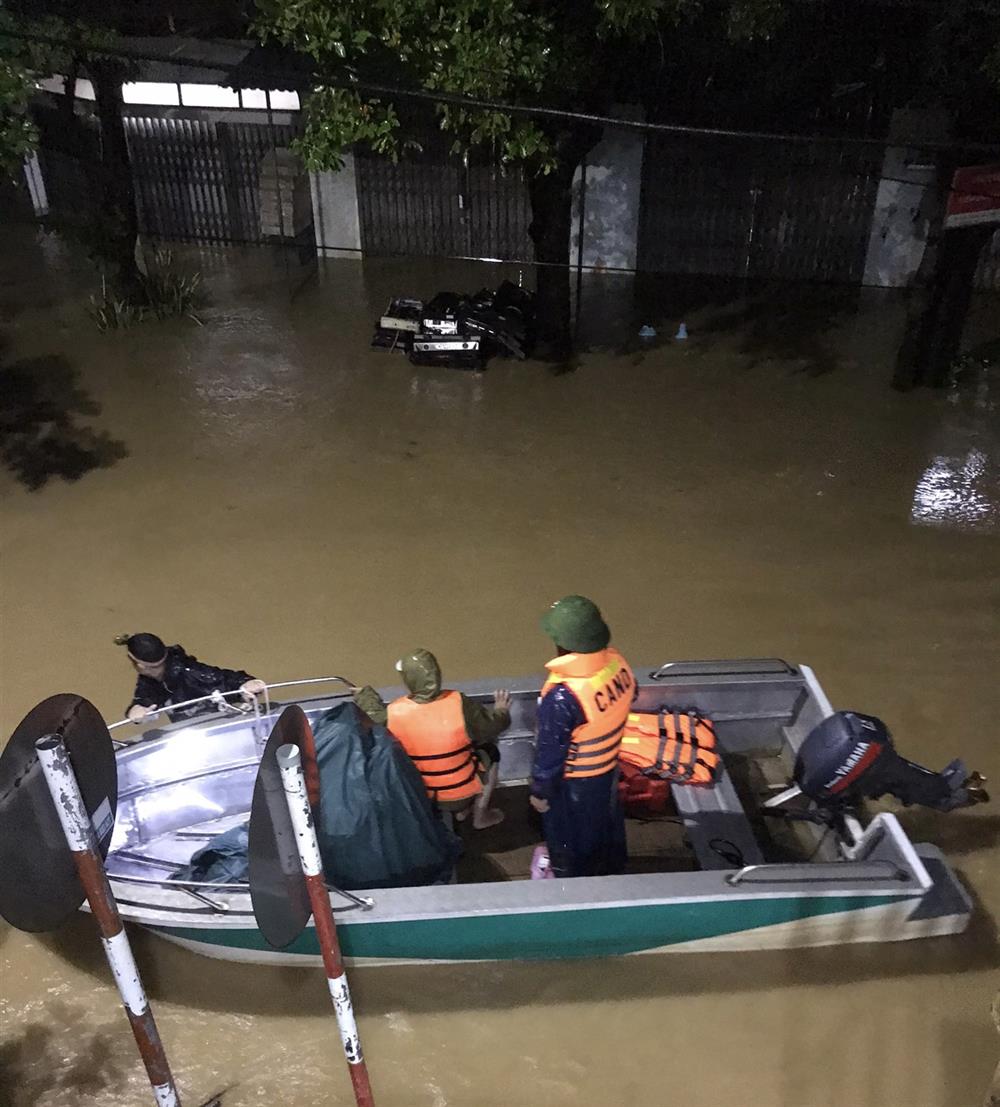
{"x":729,"y":869}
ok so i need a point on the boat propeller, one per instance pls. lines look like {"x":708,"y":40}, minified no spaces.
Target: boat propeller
{"x":975,"y":789}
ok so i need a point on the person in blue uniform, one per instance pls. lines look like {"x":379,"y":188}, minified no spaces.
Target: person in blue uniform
{"x":581,"y":717}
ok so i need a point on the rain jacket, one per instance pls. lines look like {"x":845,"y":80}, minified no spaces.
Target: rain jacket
{"x":185,"y":678}
{"x":422,"y":677}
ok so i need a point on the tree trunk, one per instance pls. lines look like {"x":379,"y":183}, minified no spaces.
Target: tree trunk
{"x":951,"y":297}
{"x":551,"y":220}
{"x":551,"y":210}
{"x":67,"y":103}
{"x":118,"y":231}
{"x":938,"y":304}
{"x":910,"y":368}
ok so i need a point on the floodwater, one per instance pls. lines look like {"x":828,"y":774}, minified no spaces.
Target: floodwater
{"x":275,"y":495}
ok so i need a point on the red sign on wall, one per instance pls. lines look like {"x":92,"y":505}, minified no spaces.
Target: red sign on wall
{"x":975,"y":196}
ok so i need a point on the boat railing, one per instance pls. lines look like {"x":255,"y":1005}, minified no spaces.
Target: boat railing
{"x":250,"y":704}
{"x":716,"y":667}
{"x":365,"y":903}
{"x":834,"y":872}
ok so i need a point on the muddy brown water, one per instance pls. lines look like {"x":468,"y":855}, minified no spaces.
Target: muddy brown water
{"x":296,"y":504}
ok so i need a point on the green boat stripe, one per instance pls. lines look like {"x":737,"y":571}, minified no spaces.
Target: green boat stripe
{"x":240,"y":906}
{"x":580,"y":932}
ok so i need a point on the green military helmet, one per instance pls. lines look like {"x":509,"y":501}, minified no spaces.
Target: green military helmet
{"x":575,"y":624}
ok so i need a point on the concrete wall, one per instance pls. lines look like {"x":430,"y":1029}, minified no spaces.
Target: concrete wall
{"x":335,"y":211}
{"x":905,"y":196}
{"x":611,"y":195}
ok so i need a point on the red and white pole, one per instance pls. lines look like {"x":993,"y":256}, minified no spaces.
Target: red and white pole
{"x":290,"y":763}
{"x":82,"y":842}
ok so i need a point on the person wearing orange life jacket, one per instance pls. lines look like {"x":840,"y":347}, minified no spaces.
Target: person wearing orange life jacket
{"x":450,"y":738}
{"x":582,"y":712}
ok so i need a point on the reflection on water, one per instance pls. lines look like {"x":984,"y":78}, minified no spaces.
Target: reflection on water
{"x":37,"y":1063}
{"x":960,"y":491}
{"x":295,"y":503}
{"x":961,"y":486}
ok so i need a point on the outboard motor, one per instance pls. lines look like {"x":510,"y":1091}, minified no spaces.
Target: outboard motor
{"x":850,"y":757}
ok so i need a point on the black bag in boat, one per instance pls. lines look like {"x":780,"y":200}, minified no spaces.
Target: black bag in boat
{"x":376,"y":825}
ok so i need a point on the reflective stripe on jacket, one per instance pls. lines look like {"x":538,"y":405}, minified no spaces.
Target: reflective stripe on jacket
{"x":434,"y":736}
{"x":605,"y":687}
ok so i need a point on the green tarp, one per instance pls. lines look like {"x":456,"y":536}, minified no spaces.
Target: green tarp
{"x":376,"y":825}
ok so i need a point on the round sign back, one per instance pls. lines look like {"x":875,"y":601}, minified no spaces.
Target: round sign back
{"x":277,"y":886}
{"x":39,"y":889}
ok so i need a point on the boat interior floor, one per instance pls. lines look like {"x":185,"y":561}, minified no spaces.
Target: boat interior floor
{"x":504,"y":852}
{"x":704,"y":828}
{"x":663,"y":844}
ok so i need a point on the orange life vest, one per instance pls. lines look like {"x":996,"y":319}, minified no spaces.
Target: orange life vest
{"x":673,"y":745}
{"x":605,"y":686}
{"x":434,"y":736}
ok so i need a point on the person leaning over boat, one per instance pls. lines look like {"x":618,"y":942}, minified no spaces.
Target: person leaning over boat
{"x":169,"y":675}
{"x":450,"y":738}
{"x":581,"y":716}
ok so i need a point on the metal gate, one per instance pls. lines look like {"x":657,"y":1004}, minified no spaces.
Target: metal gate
{"x":735,"y":208}
{"x":434,"y":203}
{"x":201,"y":181}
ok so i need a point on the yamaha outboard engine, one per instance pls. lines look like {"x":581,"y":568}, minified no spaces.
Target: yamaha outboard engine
{"x":850,"y":757}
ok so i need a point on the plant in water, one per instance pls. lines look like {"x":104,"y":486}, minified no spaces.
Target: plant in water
{"x":111,"y":313}
{"x":171,"y":292}
{"x":168,"y":293}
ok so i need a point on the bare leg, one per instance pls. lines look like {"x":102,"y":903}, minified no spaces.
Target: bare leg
{"x":484,"y":816}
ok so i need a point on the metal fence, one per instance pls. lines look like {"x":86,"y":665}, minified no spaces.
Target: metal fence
{"x":728,"y":207}
{"x":715,"y":206}
{"x":196,"y":179}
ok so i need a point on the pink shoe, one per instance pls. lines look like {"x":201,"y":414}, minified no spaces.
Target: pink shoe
{"x":541,"y":867}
